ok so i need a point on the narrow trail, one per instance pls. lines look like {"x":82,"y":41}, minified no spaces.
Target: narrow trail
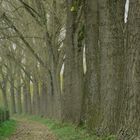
{"x":30,"y":130}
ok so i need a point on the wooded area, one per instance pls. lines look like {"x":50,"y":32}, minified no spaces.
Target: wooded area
{"x":74,"y":61}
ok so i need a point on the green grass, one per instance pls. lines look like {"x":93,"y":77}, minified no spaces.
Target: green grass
{"x":67,"y":131}
{"x":7,"y":128}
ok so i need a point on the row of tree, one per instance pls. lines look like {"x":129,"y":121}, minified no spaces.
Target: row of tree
{"x":73,"y":60}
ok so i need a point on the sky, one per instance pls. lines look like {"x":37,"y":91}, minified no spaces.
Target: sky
{"x":126,"y":10}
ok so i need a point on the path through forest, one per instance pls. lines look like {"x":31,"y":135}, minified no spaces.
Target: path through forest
{"x":30,"y":130}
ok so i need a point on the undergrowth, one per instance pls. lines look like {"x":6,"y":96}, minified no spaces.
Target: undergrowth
{"x":67,"y":131}
{"x":7,"y":128}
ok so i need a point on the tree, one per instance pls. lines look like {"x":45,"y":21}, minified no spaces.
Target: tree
{"x":132,"y":75}
{"x":93,"y":52}
{"x":111,"y":36}
{"x":73,"y":71}
{"x":105,"y":64}
{"x":3,"y":86}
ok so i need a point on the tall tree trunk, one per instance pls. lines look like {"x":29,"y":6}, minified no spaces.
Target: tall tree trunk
{"x":55,"y":95}
{"x":4,"y":94}
{"x":53,"y":103}
{"x":36,"y":97}
{"x":73,"y":71}
{"x":56,"y":92}
{"x":27,"y":103}
{"x":111,"y":21}
{"x":12,"y":92}
{"x":43,"y":98}
{"x":92,"y":82}
{"x":132,"y":80}
{"x":49,"y":102}
{"x":18,"y":95}
{"x":29,"y":107}
{"x":25,"y":99}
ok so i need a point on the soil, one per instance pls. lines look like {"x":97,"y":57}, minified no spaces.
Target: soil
{"x":30,"y":130}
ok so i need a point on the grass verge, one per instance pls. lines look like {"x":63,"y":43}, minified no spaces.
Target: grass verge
{"x":7,"y":128}
{"x":66,"y":131}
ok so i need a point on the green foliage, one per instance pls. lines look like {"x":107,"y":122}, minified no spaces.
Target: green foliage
{"x":7,"y":128}
{"x":75,"y":6}
{"x":72,"y":9}
{"x":67,"y":131}
{"x":81,"y":36}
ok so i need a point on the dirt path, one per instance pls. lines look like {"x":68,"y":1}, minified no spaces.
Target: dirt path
{"x":29,"y":130}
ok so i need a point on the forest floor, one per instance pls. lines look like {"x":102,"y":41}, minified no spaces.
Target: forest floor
{"x":30,"y":130}
{"x":38,"y":128}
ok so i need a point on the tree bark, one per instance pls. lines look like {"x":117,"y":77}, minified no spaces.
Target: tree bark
{"x":4,"y":93}
{"x":18,"y":95}
{"x":36,"y":97}
{"x":43,"y":98}
{"x":131,"y":128}
{"x":92,"y":77}
{"x":25,"y":100}
{"x":111,"y":26}
{"x":73,"y":71}
{"x":12,"y":92}
{"x":29,"y":100}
